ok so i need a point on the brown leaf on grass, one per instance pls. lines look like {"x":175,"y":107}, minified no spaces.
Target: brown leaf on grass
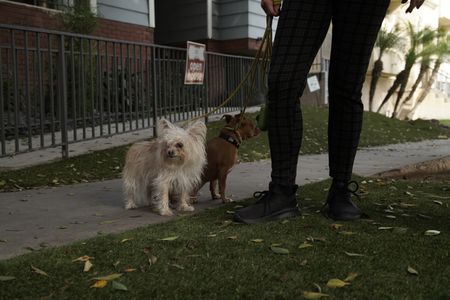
{"x":279,"y":250}
{"x":119,"y":286}
{"x":7,"y":278}
{"x":304,"y":245}
{"x":170,"y":238}
{"x":108,"y":277}
{"x":438,"y":202}
{"x":87,"y":266}
{"x":233,"y":237}
{"x":99,"y":284}
{"x":336,"y":283}
{"x":152,"y":259}
{"x":38,"y":271}
{"x":347,"y":232}
{"x":83,"y":258}
{"x":350,"y":277}
{"x":412,"y":271}
{"x":432,"y":232}
{"x":385,"y":228}
{"x":129,"y":270}
{"x":177,"y":266}
{"x":353,"y":255}
{"x":336,"y":226}
{"x":313,"y":295}
{"x":126,"y":240}
{"x":257,"y":241}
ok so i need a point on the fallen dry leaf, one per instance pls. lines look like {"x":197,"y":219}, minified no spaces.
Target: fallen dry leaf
{"x":7,"y":278}
{"x":279,"y":250}
{"x":412,"y":271}
{"x":129,"y":270}
{"x":432,"y":232}
{"x":351,"y":277}
{"x":385,"y":228}
{"x":233,"y":237}
{"x":99,"y":284}
{"x":108,"y":277}
{"x":170,"y":238}
{"x":83,"y":258}
{"x":38,"y":271}
{"x":152,"y":259}
{"x":336,"y":283}
{"x":126,"y":240}
{"x":352,"y":255}
{"x":87,"y":266}
{"x":313,"y":295}
{"x":347,"y":232}
{"x":257,"y":240}
{"x":119,"y":286}
{"x":336,"y":226}
{"x":304,"y":245}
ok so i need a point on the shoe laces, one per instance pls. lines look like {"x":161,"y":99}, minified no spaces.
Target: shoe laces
{"x":263,"y":196}
{"x":347,"y":189}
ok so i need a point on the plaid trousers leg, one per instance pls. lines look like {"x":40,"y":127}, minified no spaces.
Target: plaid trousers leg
{"x":301,"y":29}
{"x":355,"y":27}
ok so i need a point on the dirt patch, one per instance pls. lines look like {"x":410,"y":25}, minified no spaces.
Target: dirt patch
{"x":436,"y":170}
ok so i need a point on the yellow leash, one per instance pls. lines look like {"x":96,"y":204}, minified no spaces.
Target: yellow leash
{"x":262,"y":58}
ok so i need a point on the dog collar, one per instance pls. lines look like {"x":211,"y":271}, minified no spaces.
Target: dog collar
{"x":230,"y":139}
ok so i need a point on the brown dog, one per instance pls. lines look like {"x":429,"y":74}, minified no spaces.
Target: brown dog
{"x":222,"y":153}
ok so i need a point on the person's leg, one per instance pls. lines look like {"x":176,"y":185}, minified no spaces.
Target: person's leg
{"x":301,"y":29}
{"x":355,"y":27}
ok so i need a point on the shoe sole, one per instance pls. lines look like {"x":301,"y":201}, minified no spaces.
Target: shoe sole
{"x":285,"y":213}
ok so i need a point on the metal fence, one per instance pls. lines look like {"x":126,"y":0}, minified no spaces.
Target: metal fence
{"x":58,"y":88}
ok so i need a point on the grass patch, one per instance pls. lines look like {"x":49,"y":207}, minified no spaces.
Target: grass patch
{"x":445,"y":122}
{"x":107,"y":164}
{"x":213,"y":258}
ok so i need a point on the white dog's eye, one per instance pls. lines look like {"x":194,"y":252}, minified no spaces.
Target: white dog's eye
{"x":179,"y":145}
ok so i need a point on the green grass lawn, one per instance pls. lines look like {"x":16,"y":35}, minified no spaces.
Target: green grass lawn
{"x":213,"y":258}
{"x":107,"y":164}
{"x":445,"y":122}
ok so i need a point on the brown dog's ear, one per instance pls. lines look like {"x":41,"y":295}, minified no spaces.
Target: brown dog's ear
{"x":228,"y":118}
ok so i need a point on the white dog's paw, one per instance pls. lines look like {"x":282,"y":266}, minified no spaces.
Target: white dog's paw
{"x":166,"y":212}
{"x":130,"y":205}
{"x":186,"y":208}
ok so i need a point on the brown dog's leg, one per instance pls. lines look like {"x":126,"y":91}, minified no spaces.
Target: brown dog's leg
{"x":222,"y":186}
{"x":212,"y":189}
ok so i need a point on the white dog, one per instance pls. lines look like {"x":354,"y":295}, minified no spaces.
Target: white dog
{"x":168,"y":166}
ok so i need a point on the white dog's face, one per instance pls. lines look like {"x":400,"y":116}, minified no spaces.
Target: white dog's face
{"x":174,"y":150}
{"x":178,"y":143}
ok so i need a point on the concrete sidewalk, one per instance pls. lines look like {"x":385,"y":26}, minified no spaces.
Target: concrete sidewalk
{"x":54,"y":216}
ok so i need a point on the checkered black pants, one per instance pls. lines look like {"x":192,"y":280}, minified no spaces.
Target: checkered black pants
{"x":302,"y":27}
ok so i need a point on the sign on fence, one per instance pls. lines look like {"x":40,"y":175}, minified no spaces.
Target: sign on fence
{"x":195,"y":63}
{"x":313,"y":83}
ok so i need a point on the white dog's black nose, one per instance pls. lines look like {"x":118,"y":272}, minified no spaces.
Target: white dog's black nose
{"x":171,"y":153}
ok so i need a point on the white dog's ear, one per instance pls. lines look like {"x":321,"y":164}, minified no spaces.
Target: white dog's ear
{"x":164,"y":125}
{"x":198,"y":130}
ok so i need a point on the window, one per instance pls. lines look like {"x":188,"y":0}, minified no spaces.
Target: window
{"x":55,"y":4}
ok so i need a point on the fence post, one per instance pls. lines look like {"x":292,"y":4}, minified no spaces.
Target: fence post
{"x":205,"y":89}
{"x":155,"y":106}
{"x":63,"y":98}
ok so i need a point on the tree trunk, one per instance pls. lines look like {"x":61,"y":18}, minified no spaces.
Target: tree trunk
{"x":403,"y":85}
{"x":376,"y":74}
{"x":391,"y":91}
{"x":423,"y":71}
{"x":427,"y":87}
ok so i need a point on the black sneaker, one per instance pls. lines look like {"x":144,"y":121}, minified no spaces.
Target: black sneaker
{"x":277,"y":203}
{"x":340,"y":204}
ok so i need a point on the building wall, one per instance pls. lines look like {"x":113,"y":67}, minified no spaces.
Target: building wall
{"x":436,"y":104}
{"x":33,"y":16}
